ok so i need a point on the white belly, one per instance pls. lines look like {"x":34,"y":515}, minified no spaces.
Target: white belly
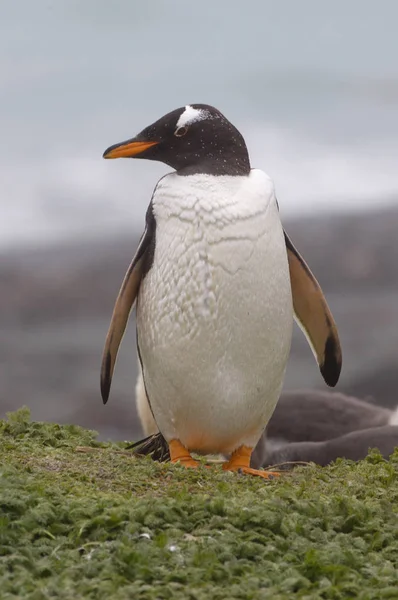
{"x":214,"y":313}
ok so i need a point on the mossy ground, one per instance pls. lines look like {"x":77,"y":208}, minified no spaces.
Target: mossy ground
{"x":100,"y":524}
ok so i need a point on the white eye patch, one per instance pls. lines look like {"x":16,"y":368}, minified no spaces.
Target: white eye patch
{"x":191,"y":115}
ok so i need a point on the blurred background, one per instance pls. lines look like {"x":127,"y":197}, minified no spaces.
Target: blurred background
{"x":313,"y":86}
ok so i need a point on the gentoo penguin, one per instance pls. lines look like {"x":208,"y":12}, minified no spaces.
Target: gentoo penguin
{"x":317,"y":416}
{"x":352,"y":446}
{"x":216,"y":280}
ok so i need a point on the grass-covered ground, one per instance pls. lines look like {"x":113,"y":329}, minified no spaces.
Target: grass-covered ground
{"x":100,"y":524}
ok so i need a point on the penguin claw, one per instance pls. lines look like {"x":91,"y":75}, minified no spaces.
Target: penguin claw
{"x":180,"y":455}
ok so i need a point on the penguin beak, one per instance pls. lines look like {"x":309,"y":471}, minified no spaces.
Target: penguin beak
{"x":128,"y":149}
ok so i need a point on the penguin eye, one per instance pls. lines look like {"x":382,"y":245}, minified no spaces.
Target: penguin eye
{"x":180,"y":131}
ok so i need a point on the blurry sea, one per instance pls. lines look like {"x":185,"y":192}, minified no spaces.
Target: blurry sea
{"x":312,"y":86}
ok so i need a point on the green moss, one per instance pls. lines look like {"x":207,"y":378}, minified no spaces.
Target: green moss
{"x":95,"y":522}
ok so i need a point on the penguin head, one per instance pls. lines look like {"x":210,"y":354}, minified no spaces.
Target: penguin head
{"x":196,"y":138}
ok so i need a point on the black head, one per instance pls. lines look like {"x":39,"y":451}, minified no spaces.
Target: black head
{"x":194,"y":139}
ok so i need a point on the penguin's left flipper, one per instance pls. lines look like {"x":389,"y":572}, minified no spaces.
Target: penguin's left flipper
{"x":313,"y":316}
{"x":124,"y":303}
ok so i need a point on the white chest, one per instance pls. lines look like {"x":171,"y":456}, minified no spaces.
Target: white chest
{"x":214,"y":313}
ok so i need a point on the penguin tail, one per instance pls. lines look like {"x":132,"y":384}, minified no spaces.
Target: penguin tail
{"x":154,"y":445}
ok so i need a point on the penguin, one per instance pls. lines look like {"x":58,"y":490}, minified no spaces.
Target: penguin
{"x":351,"y":446}
{"x":319,"y":415}
{"x":306,"y":420}
{"x":217,"y":282}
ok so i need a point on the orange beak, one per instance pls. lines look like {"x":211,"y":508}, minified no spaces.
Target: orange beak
{"x":127,"y":149}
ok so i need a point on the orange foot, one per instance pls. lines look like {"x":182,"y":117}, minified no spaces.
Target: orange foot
{"x":179,"y":454}
{"x":240,"y":461}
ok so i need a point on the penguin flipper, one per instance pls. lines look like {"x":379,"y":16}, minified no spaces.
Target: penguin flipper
{"x":123,"y":305}
{"x":313,"y":316}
